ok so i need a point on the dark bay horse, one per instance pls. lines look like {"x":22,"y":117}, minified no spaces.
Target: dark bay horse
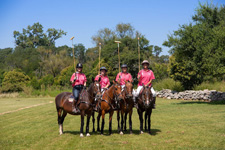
{"x":145,"y":104}
{"x":126,"y":106}
{"x":85,"y":104}
{"x":107,"y":102}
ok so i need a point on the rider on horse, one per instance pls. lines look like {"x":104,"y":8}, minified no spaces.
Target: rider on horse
{"x":123,"y":76}
{"x":104,"y":79}
{"x":145,"y":76}
{"x":78,"y":80}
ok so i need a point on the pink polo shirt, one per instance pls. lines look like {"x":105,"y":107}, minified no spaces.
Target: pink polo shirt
{"x":123,"y":76}
{"x":145,"y":77}
{"x":81,"y":79}
{"x":104,"y":80}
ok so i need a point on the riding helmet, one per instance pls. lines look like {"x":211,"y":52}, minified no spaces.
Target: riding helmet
{"x":124,"y":66}
{"x":103,"y":68}
{"x":145,"y":62}
{"x":79,"y":65}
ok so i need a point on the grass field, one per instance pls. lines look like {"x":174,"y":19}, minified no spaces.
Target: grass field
{"x":176,"y":124}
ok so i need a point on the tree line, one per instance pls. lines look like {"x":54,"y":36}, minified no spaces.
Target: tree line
{"x":197,"y":54}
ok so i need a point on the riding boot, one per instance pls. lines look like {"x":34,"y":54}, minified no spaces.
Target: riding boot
{"x":154,"y":98}
{"x":95,"y":107}
{"x":75,"y":108}
{"x":135,"y":102}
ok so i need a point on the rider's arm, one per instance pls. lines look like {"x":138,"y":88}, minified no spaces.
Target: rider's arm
{"x":149,"y":82}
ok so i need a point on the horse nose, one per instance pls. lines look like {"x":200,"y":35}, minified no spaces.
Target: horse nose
{"x":147,"y":104}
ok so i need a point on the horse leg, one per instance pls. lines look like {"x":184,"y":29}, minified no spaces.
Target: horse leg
{"x":98,"y":120}
{"x":149,"y":122}
{"x":110,"y":122}
{"x":141,"y":121}
{"x":103,"y":121}
{"x":125,"y":121}
{"x":93,"y":121}
{"x":82,"y":123}
{"x":61,"y":119}
{"x":130,"y":121}
{"x":87,"y":124}
{"x":122,"y":121}
{"x":118,"y":120}
{"x":146,"y":115}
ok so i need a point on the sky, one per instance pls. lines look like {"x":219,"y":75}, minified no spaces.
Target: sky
{"x":155,"y":19}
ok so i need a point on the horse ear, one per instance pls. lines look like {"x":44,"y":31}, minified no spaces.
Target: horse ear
{"x":99,"y":79}
{"x":93,"y":80}
{"x":114,"y":82}
{"x":131,"y":80}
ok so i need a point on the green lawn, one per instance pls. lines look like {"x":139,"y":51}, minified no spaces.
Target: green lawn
{"x":176,"y":124}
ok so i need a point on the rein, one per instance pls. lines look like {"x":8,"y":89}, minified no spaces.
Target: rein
{"x":110,"y":97}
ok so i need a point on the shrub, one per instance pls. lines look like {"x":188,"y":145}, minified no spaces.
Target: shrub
{"x":168,"y":83}
{"x":219,"y":86}
{"x":14,"y":81}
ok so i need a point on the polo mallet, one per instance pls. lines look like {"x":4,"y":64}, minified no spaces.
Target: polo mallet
{"x":118,"y":43}
{"x":74,"y":63}
{"x":99,"y":51}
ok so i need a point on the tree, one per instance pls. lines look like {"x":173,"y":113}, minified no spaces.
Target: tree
{"x":197,"y":49}
{"x":157,"y":50}
{"x":14,"y":81}
{"x":79,"y":51}
{"x":103,"y":35}
{"x":124,"y":29}
{"x":34,"y":36}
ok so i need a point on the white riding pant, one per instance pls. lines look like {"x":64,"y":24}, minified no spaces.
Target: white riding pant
{"x":140,"y":88}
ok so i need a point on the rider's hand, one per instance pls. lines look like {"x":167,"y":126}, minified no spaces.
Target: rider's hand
{"x":138,"y":76}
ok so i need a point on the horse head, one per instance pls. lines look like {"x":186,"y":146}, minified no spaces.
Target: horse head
{"x":97,"y":88}
{"x":128,"y":89}
{"x":118,"y":90}
{"x":147,"y":96}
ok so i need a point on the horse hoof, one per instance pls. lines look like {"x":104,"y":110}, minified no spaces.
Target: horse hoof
{"x":60,"y":133}
{"x":149,"y":133}
{"x":131,"y":132}
{"x":88,"y":134}
{"x":141,"y":132}
{"x":121,"y":133}
{"x":93,"y":131}
{"x":81,"y":135}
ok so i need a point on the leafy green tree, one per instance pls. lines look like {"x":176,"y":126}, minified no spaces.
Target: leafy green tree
{"x":79,"y":51}
{"x":14,"y":81}
{"x":198,"y":48}
{"x":34,"y":36}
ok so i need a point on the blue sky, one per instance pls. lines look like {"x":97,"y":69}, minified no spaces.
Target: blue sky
{"x":83,"y":18}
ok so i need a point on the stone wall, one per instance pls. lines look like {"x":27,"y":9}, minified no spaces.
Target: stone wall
{"x":207,"y":95}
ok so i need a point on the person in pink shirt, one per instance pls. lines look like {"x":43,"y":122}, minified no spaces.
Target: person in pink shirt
{"x":104,"y":79}
{"x":123,"y":76}
{"x":78,"y":81}
{"x":145,"y":76}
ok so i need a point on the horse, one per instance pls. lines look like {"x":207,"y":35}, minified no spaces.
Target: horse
{"x":145,"y":104}
{"x":85,"y":104}
{"x":107,"y":102}
{"x":126,"y":107}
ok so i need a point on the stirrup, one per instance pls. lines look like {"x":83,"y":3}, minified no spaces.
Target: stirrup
{"x":76,"y":110}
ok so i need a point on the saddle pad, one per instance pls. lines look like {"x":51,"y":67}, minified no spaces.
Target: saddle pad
{"x":71,"y":100}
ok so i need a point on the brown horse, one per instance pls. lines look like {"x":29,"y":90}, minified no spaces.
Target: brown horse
{"x":107,"y":102}
{"x":145,"y":104}
{"x":126,"y":106}
{"x":85,"y":104}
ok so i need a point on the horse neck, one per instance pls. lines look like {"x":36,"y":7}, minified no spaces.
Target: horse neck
{"x":91,"y":89}
{"x":110,"y":92}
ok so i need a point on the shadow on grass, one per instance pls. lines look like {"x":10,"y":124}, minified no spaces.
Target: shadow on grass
{"x":200,"y":102}
{"x":106,"y":132}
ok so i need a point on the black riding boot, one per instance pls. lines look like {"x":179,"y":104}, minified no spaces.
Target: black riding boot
{"x":154,"y":99}
{"x":136,"y":102}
